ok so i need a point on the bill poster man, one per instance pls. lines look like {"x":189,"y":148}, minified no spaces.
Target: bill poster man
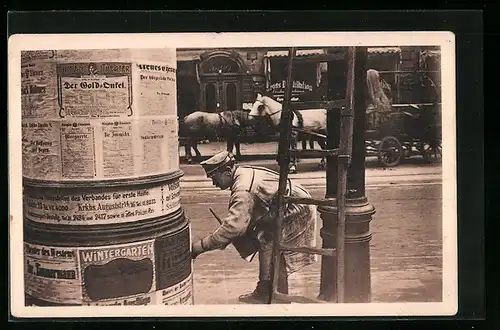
{"x":253,"y":190}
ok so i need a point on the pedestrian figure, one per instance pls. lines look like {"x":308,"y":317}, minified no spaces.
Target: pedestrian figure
{"x":252,"y":216}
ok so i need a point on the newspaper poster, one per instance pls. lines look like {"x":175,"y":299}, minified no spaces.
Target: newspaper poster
{"x":155,"y":271}
{"x":102,"y":89}
{"x":99,"y":149}
{"x":39,"y":87}
{"x":52,"y":274}
{"x":41,"y":149}
{"x":156,"y":88}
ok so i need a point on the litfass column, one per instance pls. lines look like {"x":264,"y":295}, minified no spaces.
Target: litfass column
{"x":359,"y":211}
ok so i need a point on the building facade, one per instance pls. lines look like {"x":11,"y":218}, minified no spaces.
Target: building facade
{"x":215,"y":80}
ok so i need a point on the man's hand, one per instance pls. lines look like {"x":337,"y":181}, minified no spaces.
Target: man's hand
{"x":196,"y":249}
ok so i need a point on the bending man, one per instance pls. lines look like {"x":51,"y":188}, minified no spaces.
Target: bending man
{"x":251,"y":219}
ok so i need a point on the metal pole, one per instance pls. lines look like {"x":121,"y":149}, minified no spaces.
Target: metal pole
{"x":284,"y":159}
{"x":345,"y":150}
{"x":358,"y":284}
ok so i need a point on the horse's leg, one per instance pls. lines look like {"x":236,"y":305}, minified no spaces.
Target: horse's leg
{"x":237,"y":145}
{"x":187,"y":151}
{"x":323,"y":145}
{"x":195,"y":148}
{"x":229,"y":145}
{"x":232,"y":142}
{"x":293,"y":160}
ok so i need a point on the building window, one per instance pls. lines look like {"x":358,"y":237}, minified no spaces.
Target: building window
{"x":231,"y":95}
{"x":211,"y":97}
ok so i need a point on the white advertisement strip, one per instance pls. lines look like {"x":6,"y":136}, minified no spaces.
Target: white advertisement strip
{"x":96,"y":207}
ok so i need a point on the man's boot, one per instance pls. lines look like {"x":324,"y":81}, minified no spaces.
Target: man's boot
{"x":282,"y":277}
{"x":261,"y":293}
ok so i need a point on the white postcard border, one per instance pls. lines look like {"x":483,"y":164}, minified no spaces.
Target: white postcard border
{"x":446,"y":40}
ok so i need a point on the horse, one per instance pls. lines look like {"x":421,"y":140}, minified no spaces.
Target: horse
{"x":314,"y":120}
{"x":200,"y":125}
{"x":311,"y":120}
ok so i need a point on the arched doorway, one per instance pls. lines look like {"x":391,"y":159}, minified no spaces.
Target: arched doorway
{"x":221,"y":77}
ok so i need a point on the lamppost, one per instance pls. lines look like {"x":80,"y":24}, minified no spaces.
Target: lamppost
{"x":357,"y":275}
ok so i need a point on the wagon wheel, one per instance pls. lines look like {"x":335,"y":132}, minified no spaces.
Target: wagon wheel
{"x":390,"y":151}
{"x":432,"y":153}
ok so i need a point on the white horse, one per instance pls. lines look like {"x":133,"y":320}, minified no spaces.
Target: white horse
{"x":314,"y":120}
{"x":311,"y":120}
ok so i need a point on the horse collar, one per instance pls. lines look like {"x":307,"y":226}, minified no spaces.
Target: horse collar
{"x":275,"y":113}
{"x":221,"y":118}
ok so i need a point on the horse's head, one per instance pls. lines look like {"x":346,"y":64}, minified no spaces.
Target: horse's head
{"x":264,"y":106}
{"x":258,"y":108}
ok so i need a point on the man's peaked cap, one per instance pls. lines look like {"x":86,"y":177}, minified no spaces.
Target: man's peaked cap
{"x":217,"y":161}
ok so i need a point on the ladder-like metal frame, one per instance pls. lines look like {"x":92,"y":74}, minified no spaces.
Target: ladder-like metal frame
{"x":343,"y":153}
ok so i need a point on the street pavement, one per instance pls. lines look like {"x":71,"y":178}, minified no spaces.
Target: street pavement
{"x":405,"y":251}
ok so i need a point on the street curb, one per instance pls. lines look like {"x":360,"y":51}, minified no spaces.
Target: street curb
{"x":305,"y":176}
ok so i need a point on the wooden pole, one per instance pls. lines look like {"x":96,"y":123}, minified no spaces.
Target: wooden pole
{"x":337,"y":71}
{"x":284,"y":159}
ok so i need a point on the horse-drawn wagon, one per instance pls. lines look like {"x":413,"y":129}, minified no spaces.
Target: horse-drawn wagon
{"x":405,"y":131}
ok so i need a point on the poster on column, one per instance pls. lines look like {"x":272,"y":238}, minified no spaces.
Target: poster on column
{"x":156,"y":88}
{"x":144,"y":272}
{"x":39,"y":86}
{"x":41,"y":149}
{"x":101,"y":89}
{"x":112,"y":272}
{"x":52,"y":274}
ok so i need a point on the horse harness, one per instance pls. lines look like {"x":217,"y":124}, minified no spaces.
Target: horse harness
{"x":294,"y":112}
{"x":223,"y":120}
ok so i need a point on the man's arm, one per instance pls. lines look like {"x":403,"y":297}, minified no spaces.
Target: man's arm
{"x":234,"y":225}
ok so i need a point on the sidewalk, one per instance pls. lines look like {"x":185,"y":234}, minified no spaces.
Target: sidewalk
{"x":405,"y":250}
{"x":309,"y":175}
{"x":265,"y":150}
